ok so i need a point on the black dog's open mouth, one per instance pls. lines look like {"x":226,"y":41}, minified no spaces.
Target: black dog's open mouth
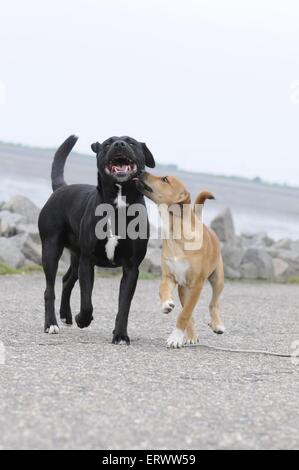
{"x":121,"y":166}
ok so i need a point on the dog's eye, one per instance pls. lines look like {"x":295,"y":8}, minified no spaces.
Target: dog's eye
{"x":132,"y":144}
{"x":165,"y":179}
{"x":107,"y":146}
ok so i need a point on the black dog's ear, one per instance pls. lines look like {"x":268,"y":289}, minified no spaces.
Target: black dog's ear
{"x":96,"y":147}
{"x":149,"y":159}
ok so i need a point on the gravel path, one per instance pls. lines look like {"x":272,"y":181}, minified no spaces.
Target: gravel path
{"x":76,"y":390}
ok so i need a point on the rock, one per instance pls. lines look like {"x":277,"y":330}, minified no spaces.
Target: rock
{"x":258,"y":240}
{"x":31,"y":250}
{"x":292,"y":259}
{"x":232,"y":255}
{"x":231,"y":273}
{"x":288,"y":255}
{"x":152,"y":261}
{"x":223,"y":225}
{"x":272,"y":251}
{"x":295,"y":245}
{"x":247,"y":235}
{"x":62,"y":267}
{"x":66,"y":257}
{"x":9,"y":222}
{"x":155,"y":240}
{"x":263,"y":239}
{"x":249,"y":271}
{"x":31,"y":230}
{"x":65,"y":261}
{"x":280,"y":268}
{"x":154,"y":243}
{"x":22,"y":205}
{"x":257,"y":264}
{"x":31,"y":266}
{"x":10,"y":253}
{"x":284,"y":243}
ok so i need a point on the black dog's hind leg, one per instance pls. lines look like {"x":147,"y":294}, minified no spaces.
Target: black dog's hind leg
{"x":51,"y":253}
{"x":68,"y":282}
{"x":86,"y":279}
{"x":126,"y":293}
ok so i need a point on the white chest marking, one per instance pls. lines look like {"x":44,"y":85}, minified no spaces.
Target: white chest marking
{"x":178,"y":268}
{"x":110,"y":247}
{"x":111,"y":243}
{"x":119,"y":201}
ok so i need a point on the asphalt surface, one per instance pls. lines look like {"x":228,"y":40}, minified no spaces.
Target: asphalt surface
{"x":76,"y":390}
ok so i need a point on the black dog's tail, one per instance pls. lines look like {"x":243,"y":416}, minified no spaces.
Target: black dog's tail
{"x":57,"y":173}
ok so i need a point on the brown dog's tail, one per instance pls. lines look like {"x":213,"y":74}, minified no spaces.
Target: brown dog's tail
{"x":203,"y":196}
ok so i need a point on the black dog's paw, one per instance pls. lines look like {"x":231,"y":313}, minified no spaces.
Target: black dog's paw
{"x":66,"y":318}
{"x":51,"y":329}
{"x":82,"y":321}
{"x":118,"y":337}
{"x":66,"y":322}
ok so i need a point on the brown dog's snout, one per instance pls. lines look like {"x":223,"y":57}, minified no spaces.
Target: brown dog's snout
{"x":142,"y":185}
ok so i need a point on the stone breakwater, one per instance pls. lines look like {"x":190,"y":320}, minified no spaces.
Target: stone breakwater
{"x":246,"y":256}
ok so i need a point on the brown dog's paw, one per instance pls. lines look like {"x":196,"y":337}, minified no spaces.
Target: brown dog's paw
{"x":191,"y":340}
{"x":168,"y":306}
{"x":218,"y":329}
{"x":176,"y":339}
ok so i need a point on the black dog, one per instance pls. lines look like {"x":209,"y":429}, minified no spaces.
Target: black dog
{"x":68,"y":220}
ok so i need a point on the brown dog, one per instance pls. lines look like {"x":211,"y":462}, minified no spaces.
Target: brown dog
{"x":190,"y":255}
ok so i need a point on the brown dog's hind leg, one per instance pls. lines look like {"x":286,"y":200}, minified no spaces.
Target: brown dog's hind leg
{"x":217,"y":282}
{"x":191,"y":334}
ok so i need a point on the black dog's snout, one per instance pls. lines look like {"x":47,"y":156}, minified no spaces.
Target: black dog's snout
{"x":119,"y":144}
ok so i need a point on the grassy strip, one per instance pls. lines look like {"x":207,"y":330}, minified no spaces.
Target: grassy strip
{"x":30,"y":268}
{"x":115,"y":273}
{"x":6,"y":270}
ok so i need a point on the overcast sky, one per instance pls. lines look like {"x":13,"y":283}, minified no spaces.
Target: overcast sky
{"x":206,"y":83}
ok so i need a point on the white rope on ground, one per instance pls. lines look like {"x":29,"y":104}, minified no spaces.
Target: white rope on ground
{"x":207,"y":346}
{"x":240,"y":351}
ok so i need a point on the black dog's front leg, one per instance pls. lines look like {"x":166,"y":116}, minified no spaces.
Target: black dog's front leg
{"x":126,"y":293}
{"x":86,"y":279}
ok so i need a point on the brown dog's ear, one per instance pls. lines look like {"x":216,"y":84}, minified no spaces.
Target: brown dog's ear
{"x":184,"y":198}
{"x":96,"y":147}
{"x":149,"y":159}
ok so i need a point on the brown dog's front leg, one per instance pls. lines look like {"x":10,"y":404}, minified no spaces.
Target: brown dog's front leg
{"x":166,"y":288}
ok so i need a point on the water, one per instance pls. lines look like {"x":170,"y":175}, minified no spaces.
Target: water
{"x":256,"y":207}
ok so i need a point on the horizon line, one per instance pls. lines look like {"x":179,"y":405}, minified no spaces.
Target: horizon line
{"x":255,"y":179}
